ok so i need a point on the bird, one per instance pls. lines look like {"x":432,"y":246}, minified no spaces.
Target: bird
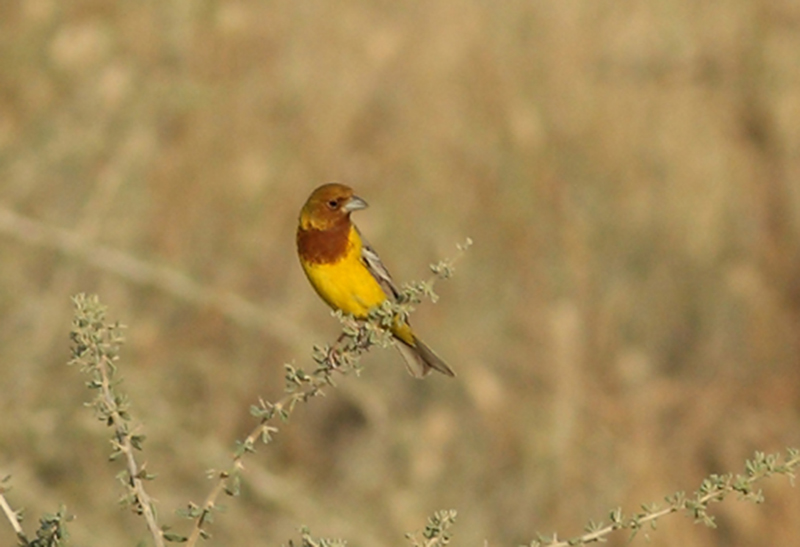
{"x":347,"y":273}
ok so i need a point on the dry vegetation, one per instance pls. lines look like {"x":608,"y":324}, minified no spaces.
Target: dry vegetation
{"x":627,"y":322}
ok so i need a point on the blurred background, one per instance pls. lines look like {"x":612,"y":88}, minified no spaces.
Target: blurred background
{"x":627,"y":322}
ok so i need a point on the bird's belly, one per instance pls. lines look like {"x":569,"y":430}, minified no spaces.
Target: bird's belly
{"x":346,"y":286}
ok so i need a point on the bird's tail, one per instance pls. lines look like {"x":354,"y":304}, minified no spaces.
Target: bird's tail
{"x":420,"y":359}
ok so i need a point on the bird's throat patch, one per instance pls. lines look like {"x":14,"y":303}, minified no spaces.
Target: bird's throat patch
{"x":324,"y":246}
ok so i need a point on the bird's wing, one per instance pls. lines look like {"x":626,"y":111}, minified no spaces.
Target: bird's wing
{"x":373,"y":263}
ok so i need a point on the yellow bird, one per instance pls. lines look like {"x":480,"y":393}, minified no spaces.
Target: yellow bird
{"x":348,"y":274}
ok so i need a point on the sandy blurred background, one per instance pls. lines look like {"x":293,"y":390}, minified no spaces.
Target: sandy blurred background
{"x":626,"y":323}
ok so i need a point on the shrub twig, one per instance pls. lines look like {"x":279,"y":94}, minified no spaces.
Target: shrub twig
{"x":95,"y":348}
{"x":96,"y":345}
{"x":51,"y":532}
{"x":12,"y":516}
{"x":356,"y":339}
{"x":437,"y":531}
{"x":715,"y":488}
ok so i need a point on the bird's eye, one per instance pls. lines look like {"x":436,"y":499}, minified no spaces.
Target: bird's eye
{"x":333,"y":204}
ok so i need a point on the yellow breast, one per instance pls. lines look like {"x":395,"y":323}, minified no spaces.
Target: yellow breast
{"x":347,"y":284}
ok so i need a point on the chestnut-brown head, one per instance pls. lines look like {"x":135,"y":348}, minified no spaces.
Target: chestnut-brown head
{"x":329,"y":206}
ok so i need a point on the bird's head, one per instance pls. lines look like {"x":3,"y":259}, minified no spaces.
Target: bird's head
{"x":329,"y":205}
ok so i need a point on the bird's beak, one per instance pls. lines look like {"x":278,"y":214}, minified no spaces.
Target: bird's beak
{"x":354,"y":204}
